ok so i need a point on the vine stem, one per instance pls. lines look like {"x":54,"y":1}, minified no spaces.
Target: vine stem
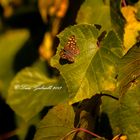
{"x":104,"y":94}
{"x":89,"y":132}
{"x":84,"y":130}
{"x":124,"y":3}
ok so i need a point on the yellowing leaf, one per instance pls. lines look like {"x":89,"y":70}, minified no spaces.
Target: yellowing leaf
{"x":131,"y":28}
{"x":120,"y":137}
{"x":108,"y":85}
{"x":52,"y":8}
{"x":46,"y":48}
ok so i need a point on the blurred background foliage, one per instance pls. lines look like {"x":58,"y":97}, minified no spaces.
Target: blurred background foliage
{"x":28,"y":31}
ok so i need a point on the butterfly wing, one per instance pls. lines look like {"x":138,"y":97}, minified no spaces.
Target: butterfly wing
{"x":70,"y":50}
{"x":65,"y":55}
{"x":71,"y":46}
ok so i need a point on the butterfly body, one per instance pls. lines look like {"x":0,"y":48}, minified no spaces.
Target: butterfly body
{"x":70,"y":50}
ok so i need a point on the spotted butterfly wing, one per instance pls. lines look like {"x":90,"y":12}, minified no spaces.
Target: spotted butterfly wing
{"x":70,"y":50}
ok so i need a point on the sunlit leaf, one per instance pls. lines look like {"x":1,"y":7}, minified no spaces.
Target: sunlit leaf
{"x":56,"y":8}
{"x":120,"y":137}
{"x":94,"y":68}
{"x":45,"y":49}
{"x":129,"y":69}
{"x":131,"y":27}
{"x":99,"y":10}
{"x":125,"y":115}
{"x":129,"y":87}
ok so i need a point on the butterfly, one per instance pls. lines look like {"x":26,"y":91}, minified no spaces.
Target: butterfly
{"x":70,"y":50}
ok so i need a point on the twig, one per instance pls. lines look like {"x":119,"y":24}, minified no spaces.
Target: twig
{"x":104,"y":94}
{"x":84,"y":130}
{"x":124,"y":3}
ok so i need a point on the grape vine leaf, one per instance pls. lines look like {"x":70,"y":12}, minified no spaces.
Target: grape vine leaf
{"x":128,"y":88}
{"x":56,"y":124}
{"x":99,"y":10}
{"x":129,"y":112}
{"x":124,"y":115}
{"x":31,"y":90}
{"x":97,"y":73}
{"x":129,"y":69}
{"x":106,"y":13}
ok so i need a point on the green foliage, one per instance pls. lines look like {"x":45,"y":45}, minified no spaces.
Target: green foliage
{"x":116,"y":17}
{"x":124,"y":115}
{"x":129,"y":112}
{"x":96,"y":96}
{"x":129,"y":87}
{"x":85,"y":78}
{"x":48,"y":129}
{"x":30,"y":91}
{"x":95,"y":12}
{"x":75,"y":74}
{"x":129,"y":69}
{"x":10,"y":43}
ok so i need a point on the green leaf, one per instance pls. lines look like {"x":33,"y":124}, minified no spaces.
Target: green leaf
{"x":94,"y":68}
{"x":95,"y":12}
{"x":117,"y":18}
{"x":56,"y":124}
{"x":129,"y":112}
{"x":129,"y":69}
{"x":106,"y":13}
{"x":129,"y":88}
{"x":124,"y":115}
{"x":10,"y":42}
{"x":30,"y":91}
